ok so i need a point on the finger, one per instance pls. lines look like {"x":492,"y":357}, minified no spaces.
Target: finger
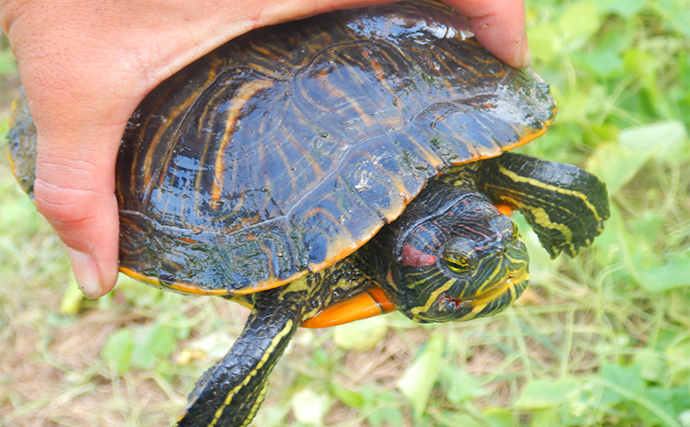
{"x":79,"y":116}
{"x":74,"y":190}
{"x":499,"y":26}
{"x":79,"y":123}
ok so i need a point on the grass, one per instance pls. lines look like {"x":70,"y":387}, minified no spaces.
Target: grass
{"x":602,"y":340}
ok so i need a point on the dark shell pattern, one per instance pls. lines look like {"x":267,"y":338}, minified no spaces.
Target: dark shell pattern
{"x":285,"y":150}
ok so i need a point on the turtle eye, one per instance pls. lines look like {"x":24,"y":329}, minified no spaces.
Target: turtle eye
{"x":456,"y":263}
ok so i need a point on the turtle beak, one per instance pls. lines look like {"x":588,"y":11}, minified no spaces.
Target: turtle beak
{"x":505,"y":293}
{"x":493,"y":300}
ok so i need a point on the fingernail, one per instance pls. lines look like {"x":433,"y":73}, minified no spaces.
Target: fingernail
{"x":525,"y":57}
{"x":86,"y":272}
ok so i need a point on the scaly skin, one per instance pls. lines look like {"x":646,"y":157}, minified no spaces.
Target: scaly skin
{"x":565,"y":205}
{"x":231,"y":391}
{"x":443,"y":220}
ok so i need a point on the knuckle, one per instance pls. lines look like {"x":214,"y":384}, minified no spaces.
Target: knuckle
{"x":64,"y":161}
{"x":64,"y":207}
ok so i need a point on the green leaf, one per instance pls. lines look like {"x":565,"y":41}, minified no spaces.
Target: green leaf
{"x":625,"y":9}
{"x":310,"y":407}
{"x":684,"y":418}
{"x":162,"y":340}
{"x":680,"y":22}
{"x":210,"y":348}
{"x":181,"y":326}
{"x":417,"y":382}
{"x":388,"y":416}
{"x":117,"y":350}
{"x":545,"y":417}
{"x":381,"y":409}
{"x":142,"y":356}
{"x":661,"y":399}
{"x":362,"y":335}
{"x":138,"y":294}
{"x":545,"y":394}
{"x":348,"y":397}
{"x":499,"y":417}
{"x":649,"y":404}
{"x":603,"y":62}
{"x":652,"y":363}
{"x":648,"y":226}
{"x":666,"y":140}
{"x":320,"y":358}
{"x":615,"y":165}
{"x":18,"y":216}
{"x":150,"y":343}
{"x":579,"y":21}
{"x":605,"y":132}
{"x":461,"y":386}
{"x":673,"y":273}
{"x":642,"y":64}
{"x":628,"y":378}
{"x":679,"y":400}
{"x":450,"y":419}
{"x":545,"y":45}
{"x":574,"y":108}
{"x":8,"y":65}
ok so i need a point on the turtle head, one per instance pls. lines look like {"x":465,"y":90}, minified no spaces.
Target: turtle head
{"x":463,"y":261}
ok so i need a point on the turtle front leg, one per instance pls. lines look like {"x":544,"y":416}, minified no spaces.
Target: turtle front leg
{"x":565,"y":205}
{"x":230,"y":392}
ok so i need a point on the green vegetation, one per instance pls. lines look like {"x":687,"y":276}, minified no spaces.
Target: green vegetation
{"x":603,"y":340}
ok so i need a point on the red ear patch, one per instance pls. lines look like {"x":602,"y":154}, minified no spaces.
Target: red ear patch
{"x":412,"y":256}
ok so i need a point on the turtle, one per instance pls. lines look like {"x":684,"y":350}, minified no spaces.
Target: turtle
{"x":334,"y":168}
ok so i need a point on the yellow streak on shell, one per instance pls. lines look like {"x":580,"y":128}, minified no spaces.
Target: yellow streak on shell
{"x":243,"y":95}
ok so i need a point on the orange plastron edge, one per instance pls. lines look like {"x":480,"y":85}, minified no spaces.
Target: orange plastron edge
{"x":504,"y":209}
{"x":369,"y":303}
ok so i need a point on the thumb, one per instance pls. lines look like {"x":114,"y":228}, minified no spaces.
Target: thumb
{"x":74,"y":190}
{"x":81,"y":86}
{"x":499,"y":26}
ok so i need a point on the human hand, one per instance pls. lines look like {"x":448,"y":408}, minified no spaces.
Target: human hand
{"x":86,"y":65}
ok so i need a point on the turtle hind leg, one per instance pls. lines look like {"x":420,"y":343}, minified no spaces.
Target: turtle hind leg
{"x":230,"y":392}
{"x":565,"y":205}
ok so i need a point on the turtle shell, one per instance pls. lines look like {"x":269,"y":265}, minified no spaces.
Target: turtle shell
{"x":286,"y":149}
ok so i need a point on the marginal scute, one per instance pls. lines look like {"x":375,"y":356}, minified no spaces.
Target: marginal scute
{"x":333,"y":219}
